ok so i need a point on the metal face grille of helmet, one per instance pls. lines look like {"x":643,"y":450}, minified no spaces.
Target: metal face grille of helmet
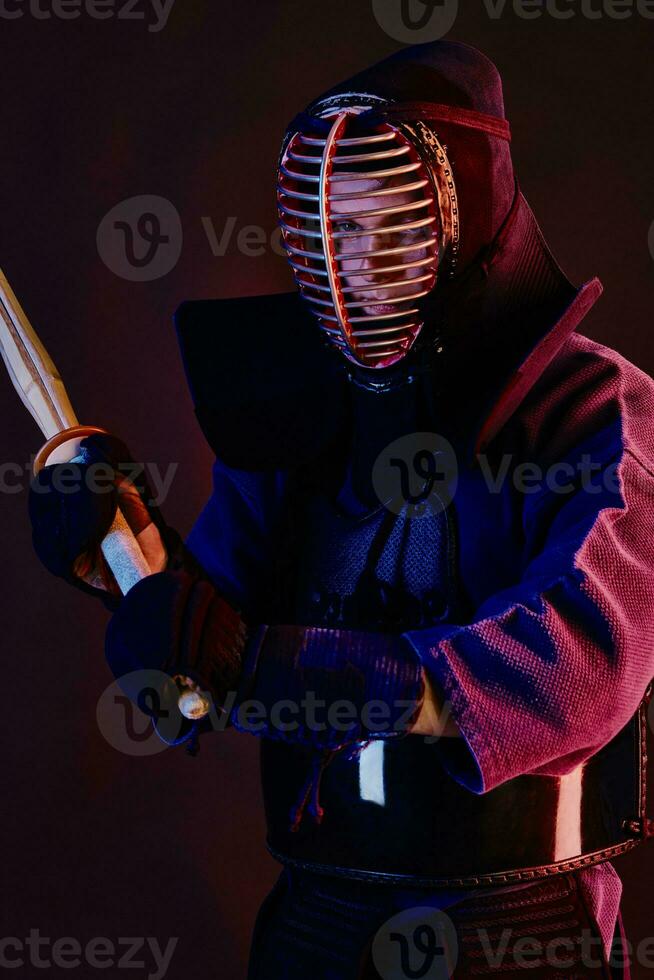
{"x":361,"y":223}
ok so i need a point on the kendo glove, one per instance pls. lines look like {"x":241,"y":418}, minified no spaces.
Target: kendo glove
{"x":176,"y":625}
{"x":72,"y":506}
{"x":322,"y":688}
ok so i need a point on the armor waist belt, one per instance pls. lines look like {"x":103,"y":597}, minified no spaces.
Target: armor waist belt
{"x":393,"y":813}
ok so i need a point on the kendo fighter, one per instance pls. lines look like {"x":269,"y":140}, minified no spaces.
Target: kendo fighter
{"x":424,"y":579}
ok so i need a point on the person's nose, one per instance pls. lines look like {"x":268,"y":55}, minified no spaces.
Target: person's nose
{"x":369,"y":264}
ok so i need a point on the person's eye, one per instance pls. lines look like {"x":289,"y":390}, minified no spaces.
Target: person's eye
{"x":413,"y":235}
{"x":346,"y":226}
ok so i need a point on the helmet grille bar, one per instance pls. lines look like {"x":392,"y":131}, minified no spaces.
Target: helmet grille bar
{"x":352,"y":141}
{"x":382,"y":191}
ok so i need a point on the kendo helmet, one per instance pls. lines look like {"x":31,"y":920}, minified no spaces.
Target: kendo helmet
{"x":369,"y":217}
{"x":392,"y":188}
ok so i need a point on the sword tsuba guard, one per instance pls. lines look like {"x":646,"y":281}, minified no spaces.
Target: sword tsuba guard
{"x":57,"y":448}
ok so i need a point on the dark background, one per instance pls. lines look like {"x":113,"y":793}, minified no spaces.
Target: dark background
{"x":97,"y":842}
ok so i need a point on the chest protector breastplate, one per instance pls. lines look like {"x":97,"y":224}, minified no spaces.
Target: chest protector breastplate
{"x":393,"y":812}
{"x":379,"y":571}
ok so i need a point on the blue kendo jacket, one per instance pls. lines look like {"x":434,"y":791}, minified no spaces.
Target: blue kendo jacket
{"x":546,"y":666}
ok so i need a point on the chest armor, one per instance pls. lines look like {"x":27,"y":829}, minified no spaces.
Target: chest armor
{"x":393,"y":813}
{"x":377,"y":571}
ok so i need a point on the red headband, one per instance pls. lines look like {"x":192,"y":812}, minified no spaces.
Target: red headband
{"x":409,"y":111}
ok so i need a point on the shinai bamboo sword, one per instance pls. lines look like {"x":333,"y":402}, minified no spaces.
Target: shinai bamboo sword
{"x":42,"y":391}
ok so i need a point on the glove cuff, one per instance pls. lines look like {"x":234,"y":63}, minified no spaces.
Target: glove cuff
{"x":174,"y":623}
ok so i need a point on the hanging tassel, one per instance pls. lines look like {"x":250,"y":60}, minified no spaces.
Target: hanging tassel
{"x":312,"y":782}
{"x":309,"y":794}
{"x":311,"y":789}
{"x":193,"y":743}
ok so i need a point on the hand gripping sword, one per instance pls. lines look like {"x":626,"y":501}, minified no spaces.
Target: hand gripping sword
{"x":42,"y":391}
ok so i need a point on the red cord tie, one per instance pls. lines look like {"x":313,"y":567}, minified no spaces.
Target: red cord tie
{"x":309,"y":793}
